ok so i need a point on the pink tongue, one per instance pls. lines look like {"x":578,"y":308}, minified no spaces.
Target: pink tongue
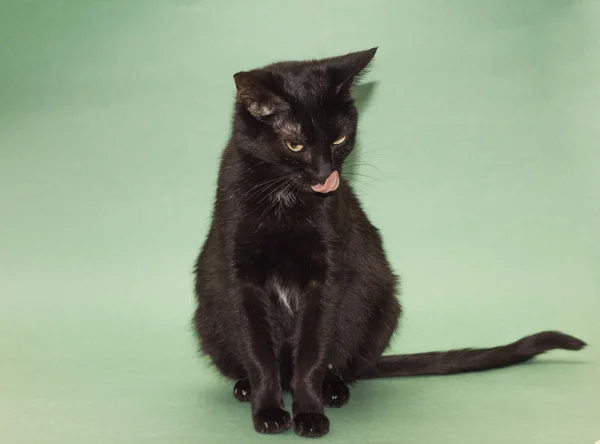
{"x":331,"y":184}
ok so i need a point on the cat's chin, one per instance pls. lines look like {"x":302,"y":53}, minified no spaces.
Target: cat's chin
{"x":331,"y":184}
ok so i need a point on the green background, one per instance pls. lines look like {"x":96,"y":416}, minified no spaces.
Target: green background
{"x":482,"y":138}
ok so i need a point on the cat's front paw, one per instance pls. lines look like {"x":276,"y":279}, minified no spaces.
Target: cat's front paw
{"x":272,"y":420}
{"x":311,"y":425}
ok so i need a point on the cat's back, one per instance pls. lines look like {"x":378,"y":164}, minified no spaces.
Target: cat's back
{"x":211,"y":271}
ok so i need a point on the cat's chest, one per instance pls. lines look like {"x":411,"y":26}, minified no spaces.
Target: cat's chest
{"x":285,"y":297}
{"x":283,"y":259}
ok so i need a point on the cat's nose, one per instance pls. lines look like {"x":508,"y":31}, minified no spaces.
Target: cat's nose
{"x":323,"y":171}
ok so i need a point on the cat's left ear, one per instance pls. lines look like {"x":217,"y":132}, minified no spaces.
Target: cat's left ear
{"x":347,"y":69}
{"x":254,"y":94}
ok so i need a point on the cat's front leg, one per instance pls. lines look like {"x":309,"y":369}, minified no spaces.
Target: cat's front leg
{"x":268,"y":412}
{"x":313,"y":333}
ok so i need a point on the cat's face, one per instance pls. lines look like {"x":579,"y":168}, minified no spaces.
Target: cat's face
{"x":299,"y":117}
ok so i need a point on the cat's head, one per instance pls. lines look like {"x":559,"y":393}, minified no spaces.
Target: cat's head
{"x":299,"y":117}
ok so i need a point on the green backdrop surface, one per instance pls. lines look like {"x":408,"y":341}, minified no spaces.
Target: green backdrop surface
{"x":481,"y":147}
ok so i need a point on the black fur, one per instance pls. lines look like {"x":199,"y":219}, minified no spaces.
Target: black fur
{"x":293,"y":287}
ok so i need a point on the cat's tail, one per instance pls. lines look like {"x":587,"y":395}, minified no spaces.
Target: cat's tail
{"x":472,"y":360}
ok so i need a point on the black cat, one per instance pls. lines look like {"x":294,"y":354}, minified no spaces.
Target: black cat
{"x":293,"y":285}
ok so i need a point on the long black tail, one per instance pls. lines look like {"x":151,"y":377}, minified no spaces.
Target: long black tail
{"x":472,"y":360}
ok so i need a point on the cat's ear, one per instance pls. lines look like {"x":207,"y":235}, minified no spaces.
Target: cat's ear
{"x":347,"y":69}
{"x":256,"y":96}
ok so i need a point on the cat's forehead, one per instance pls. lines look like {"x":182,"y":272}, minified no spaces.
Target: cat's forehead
{"x":311,"y":87}
{"x":307,"y":90}
{"x":306,"y":83}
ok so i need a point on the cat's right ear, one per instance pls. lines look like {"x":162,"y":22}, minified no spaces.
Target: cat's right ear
{"x":255,"y":96}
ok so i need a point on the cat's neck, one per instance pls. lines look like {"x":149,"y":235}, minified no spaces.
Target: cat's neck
{"x":267,"y":196}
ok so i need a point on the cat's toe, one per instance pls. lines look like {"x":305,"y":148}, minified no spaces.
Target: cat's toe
{"x":335,"y":393}
{"x":241,"y":390}
{"x":272,"y":420}
{"x":311,"y":425}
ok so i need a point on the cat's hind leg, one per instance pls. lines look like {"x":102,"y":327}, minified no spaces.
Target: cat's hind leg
{"x":242,"y":390}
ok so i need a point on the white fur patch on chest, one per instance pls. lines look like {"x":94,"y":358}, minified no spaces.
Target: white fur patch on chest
{"x":286,"y":297}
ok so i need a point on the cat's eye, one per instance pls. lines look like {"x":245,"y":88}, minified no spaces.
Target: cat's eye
{"x":340,"y":140}
{"x":294,"y":146}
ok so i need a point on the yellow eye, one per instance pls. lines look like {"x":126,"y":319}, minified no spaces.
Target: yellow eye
{"x":340,"y":140}
{"x":294,"y":146}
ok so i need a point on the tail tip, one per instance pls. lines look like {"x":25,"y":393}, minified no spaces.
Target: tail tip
{"x":549,"y":340}
{"x":573,"y":343}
